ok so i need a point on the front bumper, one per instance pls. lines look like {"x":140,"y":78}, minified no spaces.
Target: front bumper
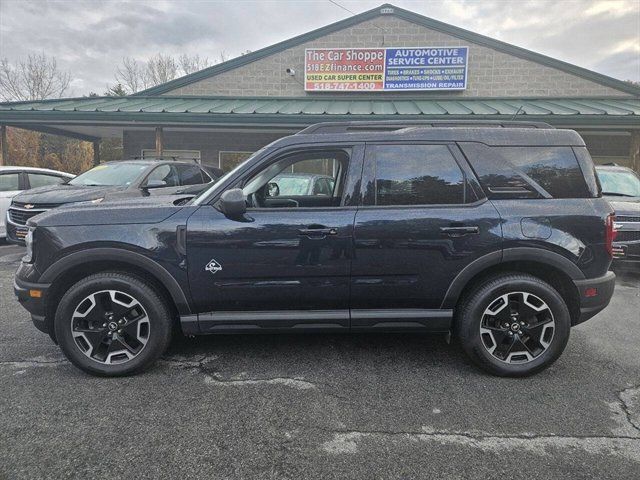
{"x":595,"y":294}
{"x":33,"y":297}
{"x":626,"y":253}
{"x":15,"y":233}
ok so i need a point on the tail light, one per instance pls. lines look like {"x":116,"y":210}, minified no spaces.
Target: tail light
{"x":610,"y":233}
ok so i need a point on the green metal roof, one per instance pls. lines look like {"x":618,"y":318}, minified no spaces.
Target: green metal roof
{"x":203,"y":110}
{"x":409,"y":16}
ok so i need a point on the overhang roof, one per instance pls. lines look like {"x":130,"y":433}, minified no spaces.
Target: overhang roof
{"x":386,"y":10}
{"x":207,"y":110}
{"x":93,"y":118}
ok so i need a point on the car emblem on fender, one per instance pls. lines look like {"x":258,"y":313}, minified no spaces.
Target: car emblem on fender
{"x":29,"y":206}
{"x":213,"y":267}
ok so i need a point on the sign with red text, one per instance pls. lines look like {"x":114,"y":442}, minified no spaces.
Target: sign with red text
{"x":385,"y":69}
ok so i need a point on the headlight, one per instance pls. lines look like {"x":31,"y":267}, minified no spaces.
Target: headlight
{"x":96,"y":200}
{"x":28,"y":240}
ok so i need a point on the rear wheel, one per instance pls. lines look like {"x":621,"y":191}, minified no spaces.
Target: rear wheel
{"x":112,"y":324}
{"x":514,"y":325}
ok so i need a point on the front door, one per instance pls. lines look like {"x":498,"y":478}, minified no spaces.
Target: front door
{"x":286,"y":264}
{"x":421,"y":224}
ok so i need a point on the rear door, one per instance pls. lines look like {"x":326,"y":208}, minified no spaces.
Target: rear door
{"x":423,"y":220}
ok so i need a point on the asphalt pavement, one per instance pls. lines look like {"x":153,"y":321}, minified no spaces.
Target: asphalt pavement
{"x":322,"y":406}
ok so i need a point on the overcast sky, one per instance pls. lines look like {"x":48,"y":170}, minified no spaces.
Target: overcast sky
{"x":90,"y":37}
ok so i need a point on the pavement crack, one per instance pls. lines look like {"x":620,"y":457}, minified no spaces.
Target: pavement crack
{"x":33,"y":362}
{"x":626,"y":397}
{"x":347,"y":441}
{"x":297,"y":383}
{"x":187,"y":363}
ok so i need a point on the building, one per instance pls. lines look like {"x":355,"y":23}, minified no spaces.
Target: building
{"x":387,"y":63}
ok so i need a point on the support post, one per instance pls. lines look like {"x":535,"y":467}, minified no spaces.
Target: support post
{"x":159,"y":142}
{"x":4,"y":146}
{"x":634,"y":151}
{"x":96,"y":153}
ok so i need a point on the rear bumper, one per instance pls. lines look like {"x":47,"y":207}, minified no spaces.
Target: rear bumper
{"x":595,"y":294}
{"x":35,"y":305}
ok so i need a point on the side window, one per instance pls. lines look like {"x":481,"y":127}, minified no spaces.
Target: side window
{"x":206,"y":178}
{"x":163,"y":176}
{"x":322,"y":187}
{"x":40,"y":180}
{"x":189,"y":174}
{"x":417,"y":175}
{"x":527,"y":172}
{"x":9,"y":182}
{"x":292,"y":181}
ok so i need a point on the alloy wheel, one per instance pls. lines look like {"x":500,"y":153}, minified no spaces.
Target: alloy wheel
{"x":110,"y":327}
{"x":517,"y":327}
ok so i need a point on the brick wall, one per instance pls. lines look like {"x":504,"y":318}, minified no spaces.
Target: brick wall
{"x":490,"y":74}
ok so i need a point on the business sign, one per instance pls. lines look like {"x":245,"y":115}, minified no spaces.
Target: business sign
{"x":385,"y":69}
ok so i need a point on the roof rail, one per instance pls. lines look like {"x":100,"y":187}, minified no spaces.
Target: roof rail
{"x":167,"y":157}
{"x":391,"y":125}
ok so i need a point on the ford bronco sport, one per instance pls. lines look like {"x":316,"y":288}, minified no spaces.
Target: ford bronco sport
{"x":495,"y":233}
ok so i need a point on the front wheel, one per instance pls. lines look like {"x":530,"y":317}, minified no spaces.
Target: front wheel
{"x":513,"y":325}
{"x":112,"y":324}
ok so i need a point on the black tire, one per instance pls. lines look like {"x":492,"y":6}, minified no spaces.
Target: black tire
{"x":473,"y":309}
{"x":154,"y":312}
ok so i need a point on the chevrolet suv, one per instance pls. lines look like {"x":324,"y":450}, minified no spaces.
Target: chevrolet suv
{"x":494,"y":233}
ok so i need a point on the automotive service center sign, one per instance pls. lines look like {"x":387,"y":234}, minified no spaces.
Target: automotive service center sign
{"x":385,"y":69}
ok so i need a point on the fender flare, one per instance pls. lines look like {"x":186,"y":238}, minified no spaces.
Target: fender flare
{"x":544,"y":257}
{"x":138,"y":260}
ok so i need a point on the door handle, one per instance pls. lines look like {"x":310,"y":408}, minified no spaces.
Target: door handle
{"x":318,"y":231}
{"x":459,"y":231}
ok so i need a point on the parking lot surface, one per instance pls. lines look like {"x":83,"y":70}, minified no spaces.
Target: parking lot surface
{"x":322,"y":406}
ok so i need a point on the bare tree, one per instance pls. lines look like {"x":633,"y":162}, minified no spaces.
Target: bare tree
{"x":189,"y":64}
{"x":35,"y":78}
{"x":134,"y":75}
{"x":161,"y":69}
{"x":131,"y":75}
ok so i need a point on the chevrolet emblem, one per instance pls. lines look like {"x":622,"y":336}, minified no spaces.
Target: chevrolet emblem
{"x":29,"y":206}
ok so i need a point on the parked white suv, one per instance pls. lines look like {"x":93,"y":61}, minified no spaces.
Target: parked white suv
{"x":14,"y":180}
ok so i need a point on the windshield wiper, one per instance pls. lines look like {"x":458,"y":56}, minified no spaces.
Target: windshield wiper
{"x":618,"y":194}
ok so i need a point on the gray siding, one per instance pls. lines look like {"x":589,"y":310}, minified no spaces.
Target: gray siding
{"x":491,"y":73}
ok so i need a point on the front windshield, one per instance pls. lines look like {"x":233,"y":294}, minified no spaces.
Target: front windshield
{"x":619,"y":183}
{"x":110,"y":174}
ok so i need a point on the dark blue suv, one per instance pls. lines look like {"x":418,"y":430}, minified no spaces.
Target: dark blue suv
{"x":495,"y":233}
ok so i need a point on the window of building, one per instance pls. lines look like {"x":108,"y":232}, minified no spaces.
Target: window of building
{"x":41,"y":180}
{"x":228,"y":160}
{"x":417,"y":175}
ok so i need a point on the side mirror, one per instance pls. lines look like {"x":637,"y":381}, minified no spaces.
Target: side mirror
{"x":233,"y":204}
{"x":155,"y":184}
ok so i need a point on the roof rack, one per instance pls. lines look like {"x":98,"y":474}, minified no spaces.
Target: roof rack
{"x":167,"y":157}
{"x":391,"y":125}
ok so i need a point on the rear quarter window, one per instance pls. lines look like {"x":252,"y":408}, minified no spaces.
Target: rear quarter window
{"x":527,"y":172}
